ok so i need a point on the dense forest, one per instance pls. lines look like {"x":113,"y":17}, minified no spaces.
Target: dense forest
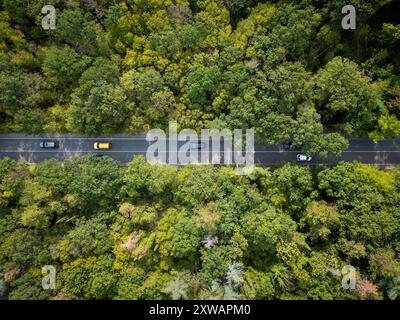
{"x":200,"y":232}
{"x":285,"y":68}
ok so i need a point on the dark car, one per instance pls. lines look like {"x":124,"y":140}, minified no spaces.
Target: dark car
{"x":49,"y":144}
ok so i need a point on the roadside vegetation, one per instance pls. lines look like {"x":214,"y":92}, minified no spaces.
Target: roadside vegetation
{"x":286,"y":68}
{"x":201,"y":232}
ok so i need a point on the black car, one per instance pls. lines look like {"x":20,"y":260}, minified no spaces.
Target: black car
{"x":49,"y":144}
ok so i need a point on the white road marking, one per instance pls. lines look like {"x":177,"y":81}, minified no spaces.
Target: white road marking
{"x":81,"y":138}
{"x":144,"y":151}
{"x":66,"y":151}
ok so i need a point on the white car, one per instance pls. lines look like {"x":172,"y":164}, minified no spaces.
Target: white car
{"x":303,"y":158}
{"x":49,"y":144}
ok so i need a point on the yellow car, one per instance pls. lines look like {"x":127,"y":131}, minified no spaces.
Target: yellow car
{"x":102,"y":145}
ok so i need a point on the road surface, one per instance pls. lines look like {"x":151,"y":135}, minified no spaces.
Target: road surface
{"x":124,"y":148}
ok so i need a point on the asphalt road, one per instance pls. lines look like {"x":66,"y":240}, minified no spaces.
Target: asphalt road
{"x":124,"y":148}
